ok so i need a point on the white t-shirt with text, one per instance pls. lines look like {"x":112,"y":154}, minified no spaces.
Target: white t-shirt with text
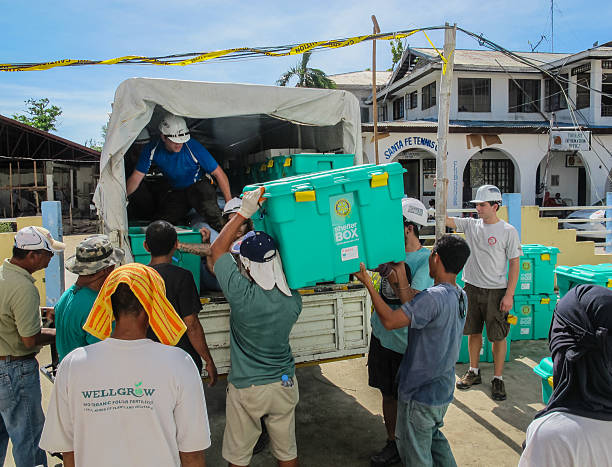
{"x":491,"y":246}
{"x":121,"y":402}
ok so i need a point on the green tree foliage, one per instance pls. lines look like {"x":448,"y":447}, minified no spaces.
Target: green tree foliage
{"x":40,"y":114}
{"x":306,"y":77}
{"x":397,"y":50}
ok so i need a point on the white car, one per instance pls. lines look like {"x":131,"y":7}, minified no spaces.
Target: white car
{"x":588,"y":226}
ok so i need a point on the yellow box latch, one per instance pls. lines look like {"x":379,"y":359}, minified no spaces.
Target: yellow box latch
{"x":550,"y":381}
{"x":545,"y":257}
{"x":287,"y":162}
{"x":545,"y":301}
{"x":271,"y":163}
{"x":380,"y":179}
{"x":303,"y":196}
{"x":248,"y":170}
{"x":263,"y":167}
{"x":610,"y":283}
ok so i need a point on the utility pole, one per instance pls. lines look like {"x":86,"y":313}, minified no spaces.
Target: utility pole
{"x":446,"y":85}
{"x":376,"y":30}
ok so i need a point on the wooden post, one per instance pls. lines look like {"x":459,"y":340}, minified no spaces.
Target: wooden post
{"x":11,"y":188}
{"x":376,"y":30}
{"x":446,"y":85}
{"x":49,"y":176}
{"x":19,"y":185}
{"x":36,"y":190}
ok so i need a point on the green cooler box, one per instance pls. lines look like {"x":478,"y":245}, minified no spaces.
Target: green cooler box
{"x":326,"y":223}
{"x":534,"y":314}
{"x":570,"y":276}
{"x":537,"y":270}
{"x":545,"y":371}
{"x":184,"y":260}
{"x":299,"y":164}
{"x":276,"y":167}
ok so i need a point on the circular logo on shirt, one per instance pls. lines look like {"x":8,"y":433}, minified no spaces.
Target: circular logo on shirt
{"x":492,"y":241}
{"x":342,"y":207}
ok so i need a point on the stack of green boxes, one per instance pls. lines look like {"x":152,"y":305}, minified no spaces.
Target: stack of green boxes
{"x":571,"y":276}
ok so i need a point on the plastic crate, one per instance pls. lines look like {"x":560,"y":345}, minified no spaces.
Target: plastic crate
{"x":298,"y":164}
{"x":276,"y":167}
{"x":184,"y":260}
{"x":571,"y":276}
{"x":545,"y":371}
{"x":537,"y":270}
{"x":486,"y":354}
{"x":326,"y":223}
{"x":534,"y":314}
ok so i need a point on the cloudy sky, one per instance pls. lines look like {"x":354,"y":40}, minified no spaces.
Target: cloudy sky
{"x":36,"y":31}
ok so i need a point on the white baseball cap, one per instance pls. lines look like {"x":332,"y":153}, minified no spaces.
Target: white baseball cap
{"x":487,"y":193}
{"x":414,"y":211}
{"x":232,"y":206}
{"x":37,"y":238}
{"x":174,"y":128}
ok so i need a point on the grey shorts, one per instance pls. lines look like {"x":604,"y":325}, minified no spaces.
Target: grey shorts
{"x":483,"y":308}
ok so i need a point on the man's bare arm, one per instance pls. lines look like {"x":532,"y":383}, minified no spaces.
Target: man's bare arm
{"x":192,"y":459}
{"x":199,"y":249}
{"x":68,"y":458}
{"x":133,"y":182}
{"x":195,"y":334}
{"x":45,"y":336}
{"x":223,"y":182}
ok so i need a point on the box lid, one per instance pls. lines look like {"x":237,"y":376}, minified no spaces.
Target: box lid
{"x":544,"y":368}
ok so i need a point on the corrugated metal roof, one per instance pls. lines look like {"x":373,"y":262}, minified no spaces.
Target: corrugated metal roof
{"x":360,"y":78}
{"x":495,"y":59}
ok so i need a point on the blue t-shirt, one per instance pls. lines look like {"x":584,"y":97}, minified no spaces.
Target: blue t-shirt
{"x":427,"y":371}
{"x":179,"y":167}
{"x":71,"y":312}
{"x":397,"y":339}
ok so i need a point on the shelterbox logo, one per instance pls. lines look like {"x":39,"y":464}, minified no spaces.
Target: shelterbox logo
{"x":136,"y":391}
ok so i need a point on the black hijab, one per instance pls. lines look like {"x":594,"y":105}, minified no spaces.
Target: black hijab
{"x":581,"y":346}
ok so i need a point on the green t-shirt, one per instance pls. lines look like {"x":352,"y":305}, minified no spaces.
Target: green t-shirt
{"x":260,"y":323}
{"x":19,"y":310}
{"x":71,"y":312}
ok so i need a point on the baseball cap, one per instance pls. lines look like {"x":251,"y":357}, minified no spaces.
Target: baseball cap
{"x":174,"y":128}
{"x":414,"y":211}
{"x":37,"y":238}
{"x":94,"y":254}
{"x":232,"y":206}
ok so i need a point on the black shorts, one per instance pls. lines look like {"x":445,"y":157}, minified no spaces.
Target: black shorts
{"x":383,"y":365}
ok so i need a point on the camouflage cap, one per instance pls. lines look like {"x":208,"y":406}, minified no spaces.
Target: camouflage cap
{"x":94,"y":254}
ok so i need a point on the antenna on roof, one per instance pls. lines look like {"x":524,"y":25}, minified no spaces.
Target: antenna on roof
{"x":534,"y":47}
{"x":552,"y":25}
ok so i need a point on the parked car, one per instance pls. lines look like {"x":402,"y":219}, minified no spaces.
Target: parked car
{"x":588,"y":226}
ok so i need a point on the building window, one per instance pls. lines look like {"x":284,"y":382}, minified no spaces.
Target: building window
{"x":555,"y":91}
{"x":429,"y":175}
{"x":524,"y":95}
{"x":606,"y":95}
{"x":365,"y":115}
{"x":413,"y":99}
{"x":583,"y":93}
{"x":474,"y":95}
{"x":382,"y":112}
{"x":398,"y":109}
{"x":428,"y":96}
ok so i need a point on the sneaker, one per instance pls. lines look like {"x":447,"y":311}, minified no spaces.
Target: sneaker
{"x":388,"y":456}
{"x":498,"y":390}
{"x":468,"y":380}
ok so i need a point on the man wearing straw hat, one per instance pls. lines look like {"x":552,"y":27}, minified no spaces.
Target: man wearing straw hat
{"x":94,"y":260}
{"x":128,"y":400}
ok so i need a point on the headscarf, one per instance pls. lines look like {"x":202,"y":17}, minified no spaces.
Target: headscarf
{"x":581,"y":346}
{"x":150,"y":289}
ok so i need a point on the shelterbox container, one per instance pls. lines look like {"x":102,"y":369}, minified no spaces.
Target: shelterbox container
{"x":571,"y":276}
{"x":537,"y":270}
{"x":534,"y":313}
{"x":298,"y":164}
{"x":184,"y":260}
{"x":326,"y":224}
{"x":545,"y":371}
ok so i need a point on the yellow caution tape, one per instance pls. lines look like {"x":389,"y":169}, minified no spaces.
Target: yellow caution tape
{"x":444,"y":59}
{"x":545,"y":257}
{"x":306,"y":291}
{"x":303,"y":196}
{"x":380,"y":180}
{"x":287,"y":162}
{"x":271,"y":163}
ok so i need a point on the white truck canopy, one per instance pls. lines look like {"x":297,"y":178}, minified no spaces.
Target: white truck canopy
{"x":247,"y":111}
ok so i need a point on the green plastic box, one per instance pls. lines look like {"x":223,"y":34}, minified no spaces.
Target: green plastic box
{"x":534,"y":314}
{"x":276,"y":167}
{"x":486,"y":353}
{"x":545,"y":371}
{"x":184,"y":260}
{"x":569,"y":277}
{"x":326,"y":223}
{"x":298,"y":164}
{"x":537,"y":270}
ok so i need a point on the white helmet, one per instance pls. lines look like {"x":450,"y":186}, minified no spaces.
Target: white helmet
{"x":487,"y":193}
{"x":232,"y":206}
{"x":174,"y":128}
{"x":414,"y":211}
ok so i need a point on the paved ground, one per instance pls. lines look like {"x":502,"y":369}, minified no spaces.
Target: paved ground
{"x":339,"y":418}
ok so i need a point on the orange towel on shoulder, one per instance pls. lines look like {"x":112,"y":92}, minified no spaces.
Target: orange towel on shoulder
{"x":150,"y":289}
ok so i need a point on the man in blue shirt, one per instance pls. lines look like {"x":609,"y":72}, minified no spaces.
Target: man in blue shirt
{"x":435,"y":320}
{"x":387,"y":347}
{"x":187,"y":165}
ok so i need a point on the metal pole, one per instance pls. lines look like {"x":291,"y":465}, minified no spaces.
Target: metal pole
{"x":446,"y":85}
{"x":376,"y":30}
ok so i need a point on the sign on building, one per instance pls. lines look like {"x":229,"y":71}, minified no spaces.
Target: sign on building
{"x":563,"y":140}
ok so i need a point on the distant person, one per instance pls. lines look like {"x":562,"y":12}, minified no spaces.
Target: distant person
{"x":21,"y":338}
{"x":435,"y":318}
{"x":575,"y":427}
{"x":489,"y":284}
{"x":431,"y":212}
{"x":94,"y":260}
{"x":188,"y":167}
{"x":128,"y":400}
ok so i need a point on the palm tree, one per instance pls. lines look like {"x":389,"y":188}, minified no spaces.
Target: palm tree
{"x":307,"y":77}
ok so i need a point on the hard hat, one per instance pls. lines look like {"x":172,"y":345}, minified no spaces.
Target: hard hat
{"x":143,"y":137}
{"x":414,"y":211}
{"x":487,"y":193}
{"x":174,"y":128}
{"x":232,"y":206}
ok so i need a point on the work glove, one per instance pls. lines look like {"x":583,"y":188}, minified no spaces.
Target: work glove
{"x":250,"y":203}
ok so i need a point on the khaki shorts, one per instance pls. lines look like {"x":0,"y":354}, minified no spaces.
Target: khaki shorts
{"x":483,"y":307}
{"x":243,"y":411}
